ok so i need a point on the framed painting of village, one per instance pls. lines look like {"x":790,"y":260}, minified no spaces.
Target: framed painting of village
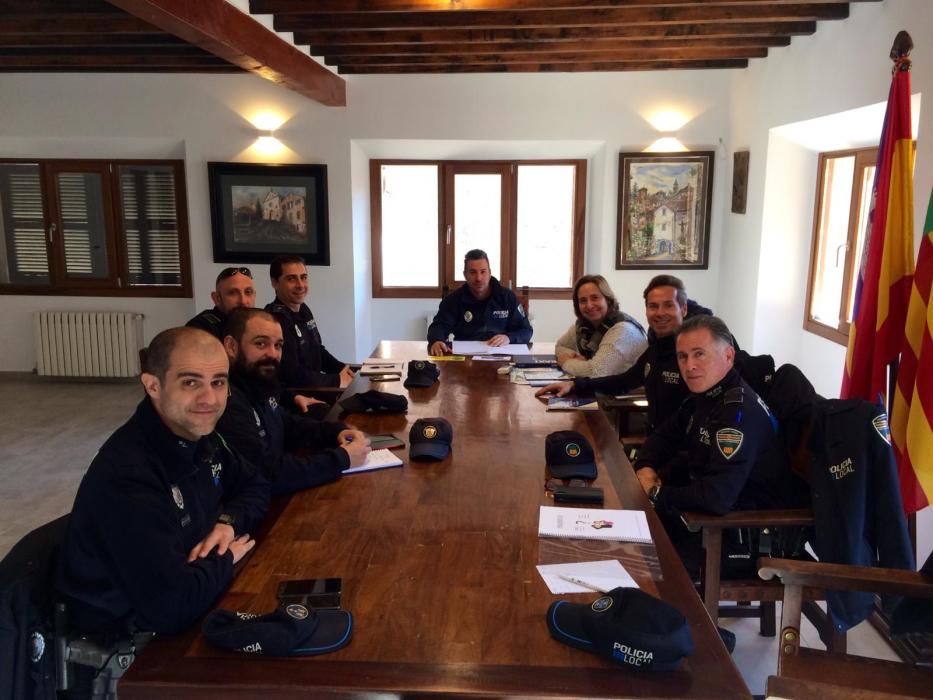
{"x":259,"y":211}
{"x":664,"y":210}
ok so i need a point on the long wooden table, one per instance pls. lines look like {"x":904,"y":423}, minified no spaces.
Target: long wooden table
{"x":438,"y":566}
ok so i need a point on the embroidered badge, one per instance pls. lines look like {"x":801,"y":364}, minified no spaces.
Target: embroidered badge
{"x":176,"y":494}
{"x":430,"y":432}
{"x":572,"y":449}
{"x":602,"y":604}
{"x":273,"y":402}
{"x":419,"y":364}
{"x":880,"y":424}
{"x":467,"y":316}
{"x":36,"y":647}
{"x":299,"y":612}
{"x":729,"y":441}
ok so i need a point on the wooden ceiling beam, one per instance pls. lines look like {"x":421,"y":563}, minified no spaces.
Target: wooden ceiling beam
{"x":554,"y":68}
{"x":626,"y":16}
{"x":303,"y":6}
{"x":600,"y":56}
{"x":411,"y":49}
{"x":724,"y":30}
{"x":221,"y":29}
{"x":72,"y":40}
{"x":139,"y":60}
{"x":91,"y":23}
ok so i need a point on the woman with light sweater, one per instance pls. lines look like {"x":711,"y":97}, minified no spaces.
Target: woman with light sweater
{"x":604,"y":340}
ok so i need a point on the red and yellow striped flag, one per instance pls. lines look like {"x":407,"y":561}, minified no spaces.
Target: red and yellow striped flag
{"x":912,"y":414}
{"x":883,"y":290}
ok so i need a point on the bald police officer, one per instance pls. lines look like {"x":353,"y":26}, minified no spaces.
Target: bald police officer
{"x":233,"y":288}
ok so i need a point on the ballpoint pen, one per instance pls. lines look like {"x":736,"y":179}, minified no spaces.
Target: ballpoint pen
{"x":583,"y":583}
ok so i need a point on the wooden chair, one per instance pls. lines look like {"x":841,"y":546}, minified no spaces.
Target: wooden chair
{"x":804,"y":673}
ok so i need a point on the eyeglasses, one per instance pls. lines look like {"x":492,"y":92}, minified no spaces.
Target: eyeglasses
{"x":552,"y":484}
{"x":231,"y":271}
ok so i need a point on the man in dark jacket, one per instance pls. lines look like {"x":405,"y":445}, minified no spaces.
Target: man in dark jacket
{"x":163,"y":513}
{"x":734,"y":458}
{"x":305,"y":360}
{"x":262,"y":429}
{"x":233,"y":289}
{"x":666,"y":308}
{"x":481,"y":309}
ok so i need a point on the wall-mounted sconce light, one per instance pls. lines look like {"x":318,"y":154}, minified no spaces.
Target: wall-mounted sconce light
{"x":667,"y":121}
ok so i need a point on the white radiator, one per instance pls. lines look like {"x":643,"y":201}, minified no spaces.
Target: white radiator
{"x":88,"y":343}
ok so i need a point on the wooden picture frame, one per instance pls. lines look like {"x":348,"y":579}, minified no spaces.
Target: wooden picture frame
{"x":664,"y":203}
{"x":739,"y":181}
{"x":259,"y":211}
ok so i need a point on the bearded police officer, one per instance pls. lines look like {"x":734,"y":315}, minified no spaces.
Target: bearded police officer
{"x":163,"y":512}
{"x":481,"y":309}
{"x":259,"y":425}
{"x":234,"y":288}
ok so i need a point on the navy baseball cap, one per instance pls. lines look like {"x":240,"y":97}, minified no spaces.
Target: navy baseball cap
{"x":626,"y":626}
{"x":291,"y":630}
{"x":569,"y":455}
{"x":421,"y":373}
{"x":373,"y":401}
{"x":430,"y":437}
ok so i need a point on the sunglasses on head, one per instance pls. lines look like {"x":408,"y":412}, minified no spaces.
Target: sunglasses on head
{"x":231,"y":271}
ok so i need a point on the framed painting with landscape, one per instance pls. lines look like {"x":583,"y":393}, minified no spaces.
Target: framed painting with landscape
{"x":664,"y":210}
{"x":259,"y":211}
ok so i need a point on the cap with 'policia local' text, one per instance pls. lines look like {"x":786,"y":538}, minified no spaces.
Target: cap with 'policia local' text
{"x":421,"y":373}
{"x":292,"y":630}
{"x":626,"y":626}
{"x":569,"y":455}
{"x":430,"y":437}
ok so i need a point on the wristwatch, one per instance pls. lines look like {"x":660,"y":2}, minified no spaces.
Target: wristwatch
{"x":227,"y":519}
{"x":653,"y":493}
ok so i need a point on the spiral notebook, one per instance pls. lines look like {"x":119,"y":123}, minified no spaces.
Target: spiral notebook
{"x":594,"y":524}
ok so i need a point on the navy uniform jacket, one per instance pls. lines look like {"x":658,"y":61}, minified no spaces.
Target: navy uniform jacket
{"x":734,"y":456}
{"x":305,"y":360}
{"x":146,"y":500}
{"x":267,"y":434}
{"x":468,"y":318}
{"x":214,"y":321}
{"x":856,"y":499}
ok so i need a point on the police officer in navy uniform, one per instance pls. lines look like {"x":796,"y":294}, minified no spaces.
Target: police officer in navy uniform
{"x":734,"y":456}
{"x":305,"y":360}
{"x":233,"y":289}
{"x":164,"y":511}
{"x":481,"y":309}
{"x":259,"y":425}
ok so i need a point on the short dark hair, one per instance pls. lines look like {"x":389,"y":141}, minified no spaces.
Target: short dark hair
{"x":715,"y":325}
{"x":240,"y":317}
{"x":475,"y":254}
{"x":612,"y":301}
{"x":275,"y":267}
{"x":667,"y":281}
{"x":157,"y":358}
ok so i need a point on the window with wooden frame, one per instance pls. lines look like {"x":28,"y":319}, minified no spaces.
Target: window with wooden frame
{"x":527,"y":215}
{"x":843,"y":200}
{"x":94,"y":228}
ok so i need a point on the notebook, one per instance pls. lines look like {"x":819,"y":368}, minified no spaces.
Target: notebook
{"x":594,"y":524}
{"x":377,"y":459}
{"x":570,"y":403}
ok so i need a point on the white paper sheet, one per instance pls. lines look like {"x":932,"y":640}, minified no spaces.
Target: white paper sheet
{"x":478,"y":347}
{"x":604,"y":575}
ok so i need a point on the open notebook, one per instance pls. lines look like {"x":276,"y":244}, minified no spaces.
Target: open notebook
{"x":594,"y":524}
{"x":377,"y":459}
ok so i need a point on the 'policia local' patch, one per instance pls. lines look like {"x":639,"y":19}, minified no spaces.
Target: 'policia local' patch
{"x":729,"y":441}
{"x":880,"y":423}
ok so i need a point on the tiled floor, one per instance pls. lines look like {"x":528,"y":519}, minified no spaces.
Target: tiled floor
{"x":50,"y":431}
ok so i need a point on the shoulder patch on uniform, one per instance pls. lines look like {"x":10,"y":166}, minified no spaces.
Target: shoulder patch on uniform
{"x":729,"y":442}
{"x":880,"y":424}
{"x":734,"y":395}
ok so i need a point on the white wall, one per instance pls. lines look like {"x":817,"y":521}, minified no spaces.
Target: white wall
{"x":205,"y":118}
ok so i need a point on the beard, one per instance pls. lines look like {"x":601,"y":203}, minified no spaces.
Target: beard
{"x":261,"y":383}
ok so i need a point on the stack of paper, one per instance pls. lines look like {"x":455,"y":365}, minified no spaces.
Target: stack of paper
{"x":478,"y":347}
{"x":594,"y":524}
{"x":586,"y":576}
{"x":569,"y":403}
{"x":377,"y":459}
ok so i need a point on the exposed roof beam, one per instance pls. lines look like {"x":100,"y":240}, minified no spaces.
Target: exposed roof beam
{"x":221,"y":29}
{"x":303,"y":6}
{"x":325,"y":37}
{"x":626,"y":16}
{"x":553,"y":68}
